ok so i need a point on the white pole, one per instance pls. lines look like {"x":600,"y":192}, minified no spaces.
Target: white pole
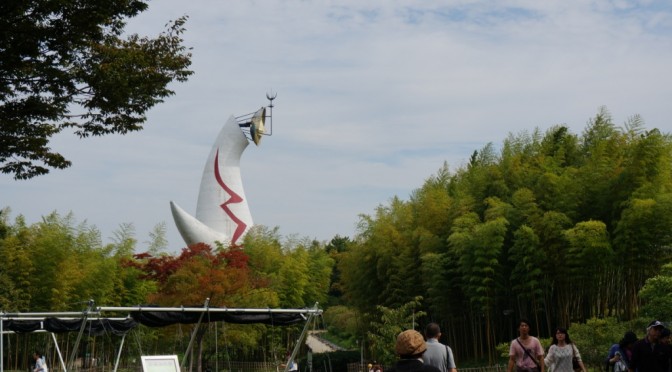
{"x":116,"y":363}
{"x":58,"y":351}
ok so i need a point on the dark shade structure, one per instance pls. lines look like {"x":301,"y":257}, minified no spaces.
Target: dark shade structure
{"x":94,"y":327}
{"x":165,"y":318}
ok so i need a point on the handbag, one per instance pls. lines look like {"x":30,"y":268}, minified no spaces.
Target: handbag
{"x":575,"y":361}
{"x":538,"y":368}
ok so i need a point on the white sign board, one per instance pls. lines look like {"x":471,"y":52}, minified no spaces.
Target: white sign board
{"x":160,"y":363}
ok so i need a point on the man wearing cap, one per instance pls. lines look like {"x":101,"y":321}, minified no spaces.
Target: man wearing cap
{"x":410,"y":346}
{"x":648,"y":354}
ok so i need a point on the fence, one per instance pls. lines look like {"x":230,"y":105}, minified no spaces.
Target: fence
{"x":357,"y":367}
{"x":272,"y":367}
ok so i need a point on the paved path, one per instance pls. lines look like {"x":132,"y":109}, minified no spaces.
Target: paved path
{"x":318,"y":344}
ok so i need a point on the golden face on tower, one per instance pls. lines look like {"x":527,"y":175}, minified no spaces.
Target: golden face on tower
{"x":257,"y":128}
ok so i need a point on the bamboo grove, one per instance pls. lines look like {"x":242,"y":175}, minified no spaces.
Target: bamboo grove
{"x":58,"y":265}
{"x":554,"y":226}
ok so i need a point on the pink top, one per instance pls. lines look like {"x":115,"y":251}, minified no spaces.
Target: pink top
{"x":522,"y":359}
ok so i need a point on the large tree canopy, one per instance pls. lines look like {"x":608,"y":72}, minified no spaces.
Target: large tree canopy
{"x":64,"y":64}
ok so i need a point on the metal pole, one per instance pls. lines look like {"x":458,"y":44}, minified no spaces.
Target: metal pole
{"x":200,"y":310}
{"x":303,"y":333}
{"x":116,"y":363}
{"x":193,"y":336}
{"x":58,"y":351}
{"x":71,"y":362}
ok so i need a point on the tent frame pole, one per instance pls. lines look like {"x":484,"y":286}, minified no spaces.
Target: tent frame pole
{"x":85,"y":315}
{"x":121,"y":347}
{"x":193,"y":336}
{"x":58,"y":351}
{"x":299,"y":342}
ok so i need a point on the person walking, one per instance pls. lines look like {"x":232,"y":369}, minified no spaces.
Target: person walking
{"x":437,"y":354}
{"x":291,"y":365}
{"x":525,"y":352}
{"x":40,"y":362}
{"x":410,"y":346}
{"x":619,"y":356}
{"x":648,"y":354}
{"x":562,"y":352}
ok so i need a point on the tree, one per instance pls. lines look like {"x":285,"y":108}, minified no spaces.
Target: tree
{"x":17,"y":265}
{"x":527,"y":279}
{"x":199,"y":272}
{"x":63,"y":64}
{"x":335,"y":249}
{"x":656,"y":295}
{"x":392,"y":322}
{"x":642,"y":243}
{"x":588,"y":259}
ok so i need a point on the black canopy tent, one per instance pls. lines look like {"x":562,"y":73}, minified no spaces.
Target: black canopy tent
{"x":94,"y":327}
{"x":93,"y":322}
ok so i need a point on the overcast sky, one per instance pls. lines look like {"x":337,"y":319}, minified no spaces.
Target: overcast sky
{"x":372,"y":97}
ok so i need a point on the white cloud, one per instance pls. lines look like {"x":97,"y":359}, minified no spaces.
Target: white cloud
{"x":373,"y":97}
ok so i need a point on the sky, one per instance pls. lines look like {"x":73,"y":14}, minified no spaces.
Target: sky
{"x":372,"y":98}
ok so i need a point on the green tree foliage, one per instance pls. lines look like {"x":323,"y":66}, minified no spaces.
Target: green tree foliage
{"x":391,"y":322}
{"x":320,"y":268}
{"x":382,"y":269}
{"x":64,"y":65}
{"x":17,"y":265}
{"x":588,"y":259}
{"x":642,"y":243}
{"x":335,"y":249}
{"x":595,"y":336}
{"x":343,"y":322}
{"x":656,"y":295}
{"x":58,"y":265}
{"x":527,"y":277}
{"x":479,"y":245}
{"x":557,"y":227}
{"x":299,"y":271}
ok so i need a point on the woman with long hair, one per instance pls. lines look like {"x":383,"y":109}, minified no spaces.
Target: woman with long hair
{"x":561,"y":353}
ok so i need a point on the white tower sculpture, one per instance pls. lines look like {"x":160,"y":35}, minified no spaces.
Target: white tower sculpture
{"x":222,"y":212}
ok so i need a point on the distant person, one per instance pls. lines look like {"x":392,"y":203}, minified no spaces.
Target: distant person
{"x":648,"y":354}
{"x":410,"y":346}
{"x":437,"y":354}
{"x":619,"y":356}
{"x":291,"y":365}
{"x":525,"y":352}
{"x":562,"y":352}
{"x":40,"y":362}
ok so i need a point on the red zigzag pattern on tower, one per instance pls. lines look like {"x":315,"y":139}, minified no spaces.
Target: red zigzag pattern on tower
{"x":235,"y":198}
